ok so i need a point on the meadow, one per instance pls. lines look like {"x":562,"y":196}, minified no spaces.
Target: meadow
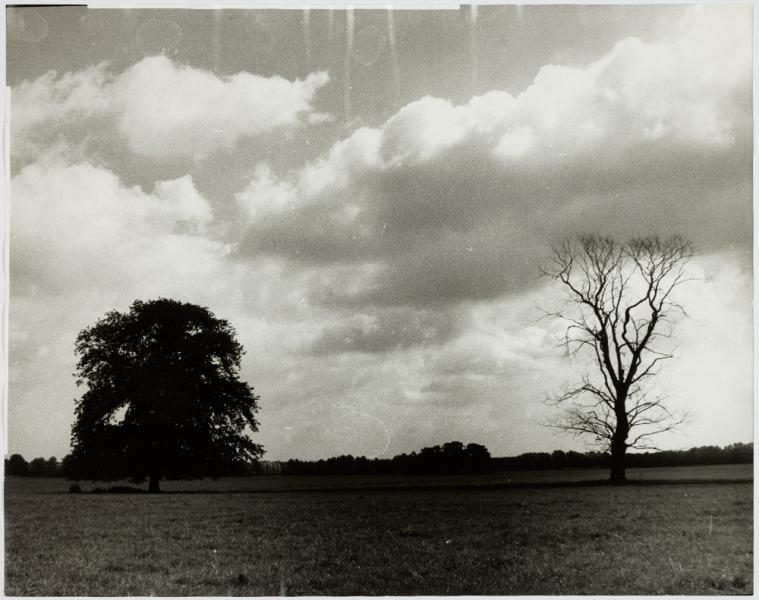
{"x":678,"y":531}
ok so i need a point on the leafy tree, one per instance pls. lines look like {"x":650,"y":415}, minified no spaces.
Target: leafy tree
{"x":51,"y":467}
{"x":619,"y":309}
{"x":38,"y":467}
{"x":16,"y":465}
{"x":558,"y":459}
{"x":66,"y":467}
{"x":477,"y":458}
{"x":163,"y":399}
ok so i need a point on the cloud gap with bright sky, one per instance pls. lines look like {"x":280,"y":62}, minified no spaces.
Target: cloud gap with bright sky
{"x":370,"y":207}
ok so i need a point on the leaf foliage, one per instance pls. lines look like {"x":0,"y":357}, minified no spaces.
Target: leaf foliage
{"x":163,"y":396}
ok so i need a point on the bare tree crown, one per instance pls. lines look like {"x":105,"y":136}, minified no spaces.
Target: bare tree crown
{"x":620,"y":308}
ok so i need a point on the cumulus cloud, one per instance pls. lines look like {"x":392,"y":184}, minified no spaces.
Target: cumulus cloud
{"x":169,"y":110}
{"x":164,"y":111}
{"x":51,"y":98}
{"x":77,"y":224}
{"x":445,"y":203}
{"x":49,"y":102}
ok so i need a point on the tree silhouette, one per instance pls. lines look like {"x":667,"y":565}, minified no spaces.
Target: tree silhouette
{"x":52,"y":467}
{"x":619,"y":308}
{"x":38,"y":467}
{"x":16,"y":465}
{"x":163,"y":398}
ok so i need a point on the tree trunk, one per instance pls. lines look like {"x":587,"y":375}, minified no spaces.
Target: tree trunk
{"x":154,"y":485}
{"x":618,"y":451}
{"x":618,"y":462}
{"x":619,"y":438}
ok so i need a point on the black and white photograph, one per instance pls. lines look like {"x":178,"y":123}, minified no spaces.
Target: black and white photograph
{"x":380,"y":300}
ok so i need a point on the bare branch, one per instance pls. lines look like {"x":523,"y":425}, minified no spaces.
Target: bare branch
{"x":620,"y":307}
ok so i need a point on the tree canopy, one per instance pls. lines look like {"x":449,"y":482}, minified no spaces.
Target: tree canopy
{"x":16,"y":465}
{"x":163,"y":396}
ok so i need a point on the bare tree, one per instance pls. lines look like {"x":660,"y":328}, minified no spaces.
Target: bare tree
{"x":620,"y":309}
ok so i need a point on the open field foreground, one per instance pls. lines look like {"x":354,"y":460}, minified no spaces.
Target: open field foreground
{"x":675,"y":538}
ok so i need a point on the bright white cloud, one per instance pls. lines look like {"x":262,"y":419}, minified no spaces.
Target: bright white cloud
{"x":346,"y":161}
{"x":50,"y":98}
{"x":422,"y":129}
{"x":711,"y":373}
{"x":685,"y":90}
{"x":164,"y":111}
{"x":41,"y":106}
{"x":169,"y":111}
{"x":77,"y":224}
{"x":265,"y":193}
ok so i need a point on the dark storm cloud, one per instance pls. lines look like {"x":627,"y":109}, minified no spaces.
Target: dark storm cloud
{"x":452,"y":268}
{"x":457,"y":230}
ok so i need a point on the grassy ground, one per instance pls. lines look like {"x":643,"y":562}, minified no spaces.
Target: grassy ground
{"x":659,"y":539}
{"x":724,"y":473}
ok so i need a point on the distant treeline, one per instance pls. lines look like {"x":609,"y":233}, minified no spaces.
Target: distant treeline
{"x":39,"y":467}
{"x":558,"y":459}
{"x":451,"y":458}
{"x":455,"y":458}
{"x":17,"y":466}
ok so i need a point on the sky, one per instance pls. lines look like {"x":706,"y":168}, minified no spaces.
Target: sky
{"x":368,"y":197}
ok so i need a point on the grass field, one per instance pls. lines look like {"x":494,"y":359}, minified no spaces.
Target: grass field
{"x":676,"y":538}
{"x":724,"y":473}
